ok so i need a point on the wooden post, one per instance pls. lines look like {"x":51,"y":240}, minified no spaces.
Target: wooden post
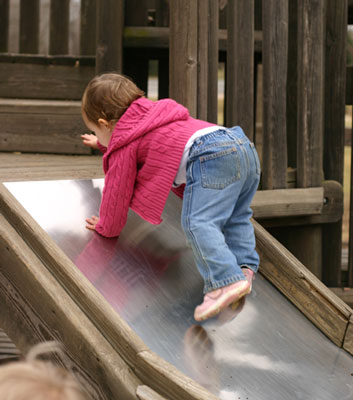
{"x":334,"y":129}
{"x":136,"y":63}
{"x":207,"y":101}
{"x":88,"y":28}
{"x":29,"y":26}
{"x":183,"y":53}
{"x":308,"y":243}
{"x":59,"y":27}
{"x":275,"y":50}
{"x":110,"y":25}
{"x":240,"y":65}
{"x":292,"y":87}
{"x":4,"y":25}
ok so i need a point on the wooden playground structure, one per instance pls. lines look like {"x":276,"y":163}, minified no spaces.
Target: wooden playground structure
{"x":285,"y":83}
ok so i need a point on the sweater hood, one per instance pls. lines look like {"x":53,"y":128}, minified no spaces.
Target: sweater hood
{"x":142,"y":116}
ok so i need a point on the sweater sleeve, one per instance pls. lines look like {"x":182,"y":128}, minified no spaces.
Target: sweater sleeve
{"x":117,"y":193}
{"x":101,"y":148}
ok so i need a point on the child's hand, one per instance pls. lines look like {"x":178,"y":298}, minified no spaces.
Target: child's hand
{"x":90,"y":140}
{"x":92,"y":222}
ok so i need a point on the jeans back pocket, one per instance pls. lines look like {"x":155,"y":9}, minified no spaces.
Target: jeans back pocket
{"x":257,"y":161}
{"x":220,"y":169}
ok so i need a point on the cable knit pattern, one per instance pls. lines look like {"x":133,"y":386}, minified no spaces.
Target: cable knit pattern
{"x":141,"y":161}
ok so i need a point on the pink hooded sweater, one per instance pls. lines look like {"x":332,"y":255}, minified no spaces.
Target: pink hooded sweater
{"x":142,"y":160}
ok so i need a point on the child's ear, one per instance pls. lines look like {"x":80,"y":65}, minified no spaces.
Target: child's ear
{"x":103,"y":122}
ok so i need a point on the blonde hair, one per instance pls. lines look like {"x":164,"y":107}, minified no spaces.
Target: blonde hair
{"x":37,"y":379}
{"x":107,"y":96}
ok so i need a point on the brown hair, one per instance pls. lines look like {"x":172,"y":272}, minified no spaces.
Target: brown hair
{"x":37,"y":379}
{"x":107,"y":96}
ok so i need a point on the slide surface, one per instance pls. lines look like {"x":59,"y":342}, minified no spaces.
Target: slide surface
{"x":265,"y":349}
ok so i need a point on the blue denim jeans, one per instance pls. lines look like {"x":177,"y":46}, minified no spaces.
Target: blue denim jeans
{"x":222,"y":176}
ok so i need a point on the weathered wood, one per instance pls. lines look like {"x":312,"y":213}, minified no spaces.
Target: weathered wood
{"x":240,"y":65}
{"x":41,"y":126}
{"x":274,"y":58}
{"x":334,"y":128}
{"x":4,"y":25}
{"x":144,"y":392}
{"x":287,"y":202}
{"x":183,"y":53}
{"x":292,"y":80}
{"x":88,"y":28}
{"x":310,"y":122}
{"x":310,"y":92}
{"x":110,"y":23}
{"x":59,"y":27}
{"x":33,"y":81}
{"x":36,"y":308}
{"x":32,"y":167}
{"x":329,"y":313}
{"x":344,"y":293}
{"x":332,"y":210}
{"x":164,"y":377}
{"x":29,"y":26}
{"x":348,"y":340}
{"x":207,"y":88}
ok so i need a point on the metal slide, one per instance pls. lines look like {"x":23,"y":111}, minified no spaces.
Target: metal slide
{"x":265,"y":349}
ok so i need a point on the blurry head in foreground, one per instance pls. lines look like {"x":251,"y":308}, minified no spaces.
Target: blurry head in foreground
{"x":36,"y":379}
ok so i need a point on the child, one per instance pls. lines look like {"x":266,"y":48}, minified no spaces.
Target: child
{"x":151,"y":148}
{"x":38,"y":380}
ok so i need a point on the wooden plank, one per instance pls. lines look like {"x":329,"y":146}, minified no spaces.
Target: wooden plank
{"x":59,"y":27}
{"x":332,"y":210}
{"x":344,"y":293}
{"x":165,"y":378}
{"x":41,"y":126}
{"x":4,"y":25}
{"x":144,"y":392}
{"x":329,"y":313}
{"x":183,"y":62}
{"x":29,"y":26}
{"x":274,"y":59}
{"x":310,"y":92}
{"x":110,"y":24}
{"x":88,"y":28}
{"x":44,"y":81}
{"x":240,"y":65}
{"x":292,"y":80}
{"x":35,"y":307}
{"x":287,"y":202}
{"x":334,"y":128}
{"x":136,"y":64}
{"x":207,"y":87}
{"x":348,"y":340}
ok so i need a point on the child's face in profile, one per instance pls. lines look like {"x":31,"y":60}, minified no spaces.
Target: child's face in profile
{"x":103,"y":130}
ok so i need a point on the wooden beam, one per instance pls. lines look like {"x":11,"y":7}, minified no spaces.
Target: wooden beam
{"x":274,"y":58}
{"x":334,"y":129}
{"x":4,"y":25}
{"x":59,"y":27}
{"x":88,"y":28}
{"x":207,"y":86}
{"x":110,"y":24}
{"x":29,"y":26}
{"x":240,"y":65}
{"x":287,"y":202}
{"x":44,"y":126}
{"x":183,"y":56}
